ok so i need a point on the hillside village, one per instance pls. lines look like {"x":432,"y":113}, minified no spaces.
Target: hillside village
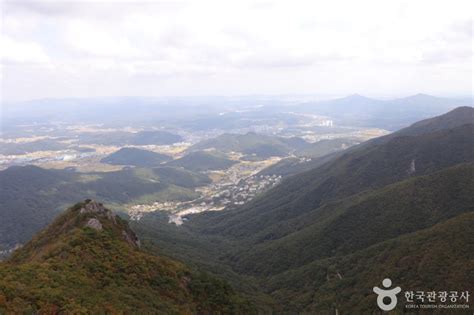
{"x":233,"y":190}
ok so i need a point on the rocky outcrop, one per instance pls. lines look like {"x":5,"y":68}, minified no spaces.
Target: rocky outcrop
{"x":94,"y":224}
{"x":98,"y":212}
{"x":94,"y":207}
{"x":131,"y":238}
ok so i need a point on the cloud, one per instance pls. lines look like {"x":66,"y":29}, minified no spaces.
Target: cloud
{"x":232,"y":46}
{"x":46,"y":8}
{"x":97,"y":40}
{"x":13,"y":51}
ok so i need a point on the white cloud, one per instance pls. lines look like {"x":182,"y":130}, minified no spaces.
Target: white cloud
{"x":231,"y":47}
{"x":98,"y":40}
{"x":13,"y":51}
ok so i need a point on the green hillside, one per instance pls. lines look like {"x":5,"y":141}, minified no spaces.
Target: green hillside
{"x":355,"y":223}
{"x":439,"y":258}
{"x":122,"y":138}
{"x":31,"y":196}
{"x":38,"y":145}
{"x":135,"y":157}
{"x":154,"y":137}
{"x":324,"y":147}
{"x":251,"y":143}
{"x":259,"y":146}
{"x":295,"y":165}
{"x":319,"y":241}
{"x":456,"y":118}
{"x":203,"y":161}
{"x":89,"y":261}
{"x":400,"y":206}
{"x":181,"y":177}
{"x":298,"y":257}
{"x":352,"y":173}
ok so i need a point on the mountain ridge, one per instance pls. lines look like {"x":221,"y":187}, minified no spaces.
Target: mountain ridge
{"x":351,"y":173}
{"x":202,"y":161}
{"x":308,"y":241}
{"x":135,"y":157}
{"x":89,"y":260}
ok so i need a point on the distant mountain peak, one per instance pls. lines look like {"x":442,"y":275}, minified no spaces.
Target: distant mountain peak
{"x":421,"y":96}
{"x":356,"y":96}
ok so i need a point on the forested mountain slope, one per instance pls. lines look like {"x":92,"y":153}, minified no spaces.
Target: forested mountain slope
{"x":31,"y":196}
{"x":355,"y":172}
{"x":203,"y":161}
{"x":89,"y":261}
{"x":399,"y":207}
{"x":136,"y":157}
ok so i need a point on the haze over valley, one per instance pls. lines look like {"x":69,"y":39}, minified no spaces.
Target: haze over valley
{"x":204,"y":158}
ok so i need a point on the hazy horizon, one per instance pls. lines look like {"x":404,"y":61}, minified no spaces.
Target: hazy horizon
{"x":256,"y":97}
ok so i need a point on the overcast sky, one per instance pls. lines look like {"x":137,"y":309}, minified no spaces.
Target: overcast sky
{"x":180,"y":48}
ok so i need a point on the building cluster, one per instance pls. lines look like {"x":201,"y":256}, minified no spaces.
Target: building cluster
{"x":244,"y":190}
{"x":42,"y":157}
{"x":214,"y":198}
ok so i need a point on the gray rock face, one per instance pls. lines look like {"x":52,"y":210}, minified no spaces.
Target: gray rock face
{"x":131,"y":238}
{"x":98,"y":208}
{"x":94,"y":224}
{"x":93,"y":207}
{"x":96,"y":211}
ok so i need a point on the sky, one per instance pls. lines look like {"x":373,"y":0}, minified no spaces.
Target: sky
{"x":56,"y":49}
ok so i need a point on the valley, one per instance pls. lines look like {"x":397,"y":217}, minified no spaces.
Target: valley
{"x":314,"y":234}
{"x":265,"y":208}
{"x":237,"y":186}
{"x":233,"y":164}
